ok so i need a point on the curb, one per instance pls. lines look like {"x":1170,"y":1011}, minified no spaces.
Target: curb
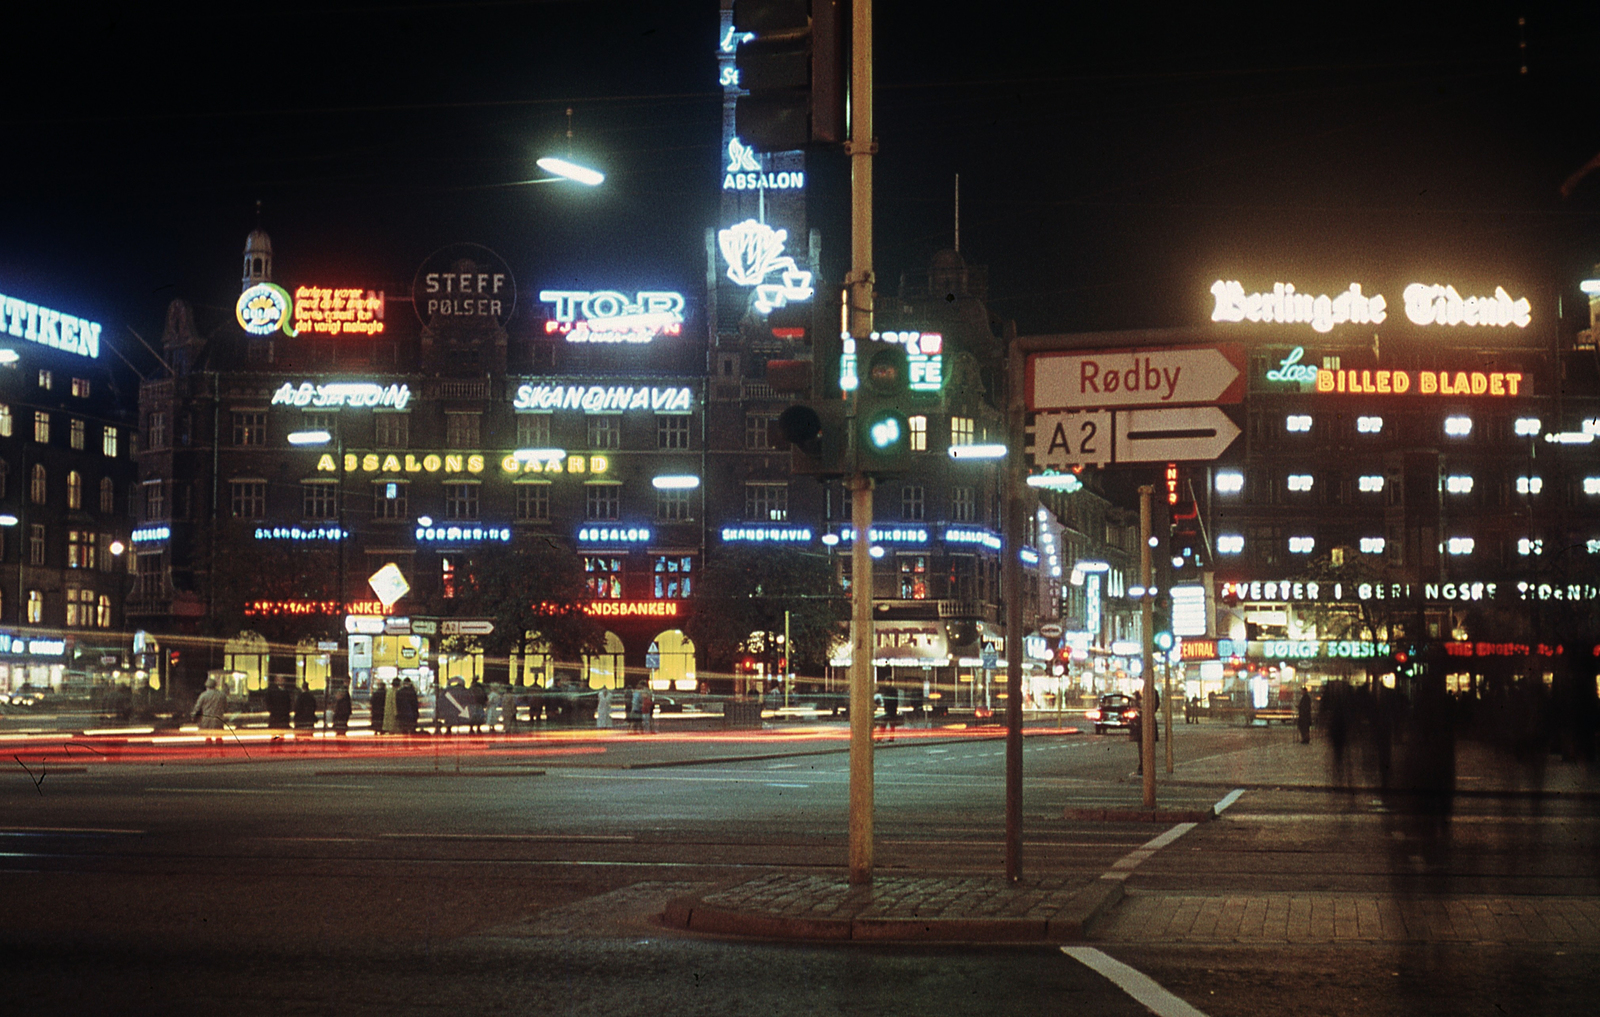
{"x":1141,"y":815}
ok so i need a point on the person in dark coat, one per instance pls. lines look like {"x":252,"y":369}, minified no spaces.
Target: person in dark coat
{"x":305,"y":708}
{"x":341,"y":711}
{"x":1303,"y":716}
{"x":380,"y":693}
{"x":279,"y":703}
{"x":410,"y":707}
{"x":477,"y":705}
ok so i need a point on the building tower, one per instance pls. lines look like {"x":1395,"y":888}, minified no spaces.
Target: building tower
{"x":257,"y":258}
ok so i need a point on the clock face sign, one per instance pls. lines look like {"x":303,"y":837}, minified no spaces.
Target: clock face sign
{"x":464,"y":286}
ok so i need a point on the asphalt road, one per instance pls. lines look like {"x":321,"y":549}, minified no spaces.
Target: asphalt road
{"x":523,"y":877}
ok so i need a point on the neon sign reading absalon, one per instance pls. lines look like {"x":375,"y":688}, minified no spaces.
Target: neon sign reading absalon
{"x":342,"y":393}
{"x":50,"y":328}
{"x":607,"y":316}
{"x":602,"y":398}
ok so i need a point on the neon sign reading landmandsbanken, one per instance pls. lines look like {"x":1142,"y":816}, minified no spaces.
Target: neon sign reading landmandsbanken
{"x":603,"y":398}
{"x":342,"y":393}
{"x":54,"y":329}
{"x":607,"y":316}
{"x":1426,"y":304}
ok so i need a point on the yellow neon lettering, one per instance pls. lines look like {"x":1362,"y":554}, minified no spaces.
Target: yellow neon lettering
{"x":1401,"y":381}
{"x":369,"y":462}
{"x":1497,"y":383}
{"x":1324,"y":380}
{"x":575,"y":464}
{"x":1480,"y":383}
{"x":1383,"y":382}
{"x":349,"y":461}
{"x":1463,"y":386}
{"x":1512,"y":381}
{"x":412,"y":466}
{"x":509,"y":464}
{"x":454,"y":463}
{"x":599,"y":464}
{"x":430,"y":463}
{"x":475,"y":463}
{"x":1430,"y":383}
{"x":326,"y":464}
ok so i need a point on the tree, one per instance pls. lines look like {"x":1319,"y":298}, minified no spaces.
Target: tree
{"x":237,"y":573}
{"x":746,"y":588}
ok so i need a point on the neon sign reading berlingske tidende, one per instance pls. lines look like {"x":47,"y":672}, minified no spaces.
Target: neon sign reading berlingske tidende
{"x":1285,"y":306}
{"x":603,"y":398}
{"x":55,"y":329}
{"x":1442,"y":305}
{"x":753,"y":251}
{"x":607,"y":316}
{"x":342,"y":393}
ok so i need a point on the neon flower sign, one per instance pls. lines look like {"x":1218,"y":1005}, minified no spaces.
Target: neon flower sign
{"x":606,"y":316}
{"x":753,"y":251}
{"x":338,"y":312}
{"x":264,"y":309}
{"x":41,"y":325}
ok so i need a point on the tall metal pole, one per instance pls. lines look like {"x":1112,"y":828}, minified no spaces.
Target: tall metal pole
{"x":1166,"y":700}
{"x":1011,"y":580}
{"x":861,"y":147}
{"x":1147,"y":610}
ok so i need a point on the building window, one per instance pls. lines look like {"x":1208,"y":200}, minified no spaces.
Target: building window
{"x":963,"y":504}
{"x":35,"y":606}
{"x":913,"y":576}
{"x":5,"y":421}
{"x":156,"y":428}
{"x":389,"y":500}
{"x":961,"y":430}
{"x":533,"y":430}
{"x":320,"y":499}
{"x":80,"y":609}
{"x":605,"y":430}
{"x":108,"y":442}
{"x":102,"y":614}
{"x":672,"y":506}
{"x":249,"y":427}
{"x":247,"y":499}
{"x":447,"y":578}
{"x":38,"y":486}
{"x":391,"y":430}
{"x":106,"y":558}
{"x":672,"y":577}
{"x":912,"y":498}
{"x":768,"y":503}
{"x":41,"y":427}
{"x":758,"y":430}
{"x":36,"y":544}
{"x":604,"y":577}
{"x":155,"y":501}
{"x":75,"y":433}
{"x":461,"y":501}
{"x":602,"y":501}
{"x":46,"y":380}
{"x":919,"y":433}
{"x":74,"y":489}
{"x":80,"y":388}
{"x":108,"y":496}
{"x":672,"y":430}
{"x":147,"y":582}
{"x":533,"y":501}
{"x":461,"y":430}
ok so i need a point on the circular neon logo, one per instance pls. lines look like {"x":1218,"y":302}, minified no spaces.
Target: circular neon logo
{"x":264,"y":309}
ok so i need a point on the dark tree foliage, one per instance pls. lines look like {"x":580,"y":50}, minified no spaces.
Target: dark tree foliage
{"x":238,"y":571}
{"x":746,"y":588}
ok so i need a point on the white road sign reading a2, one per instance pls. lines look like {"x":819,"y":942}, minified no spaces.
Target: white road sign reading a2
{"x":1072,"y":439}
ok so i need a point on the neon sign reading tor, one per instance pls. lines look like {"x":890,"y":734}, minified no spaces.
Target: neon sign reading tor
{"x":607,"y":316}
{"x":338,"y":311}
{"x":54,"y":329}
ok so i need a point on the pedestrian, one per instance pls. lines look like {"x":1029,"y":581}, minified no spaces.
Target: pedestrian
{"x":635,"y":708}
{"x":1303,"y":716}
{"x":279,"y":703}
{"x":477,"y":705}
{"x":497,"y":698}
{"x":211,"y":711}
{"x":891,"y":710}
{"x":341,"y":710}
{"x":305,"y":708}
{"x":391,"y":709}
{"x":410,"y":708}
{"x":602,"y":711}
{"x":647,"y":708}
{"x":380,"y":692}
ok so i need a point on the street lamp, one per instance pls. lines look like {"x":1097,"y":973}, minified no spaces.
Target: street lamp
{"x":565,"y":169}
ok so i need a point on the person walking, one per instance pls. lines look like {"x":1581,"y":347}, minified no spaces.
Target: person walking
{"x":341,"y":710}
{"x":305,"y":708}
{"x":380,"y":693}
{"x":279,"y":703}
{"x":477,"y":705}
{"x":410,"y":707}
{"x":635,"y":705}
{"x":391,"y":709}
{"x":602,"y":711}
{"x":497,"y":697}
{"x":1303,"y":716}
{"x":211,"y":711}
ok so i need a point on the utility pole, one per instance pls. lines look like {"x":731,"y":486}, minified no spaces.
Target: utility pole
{"x":1147,"y":610}
{"x":1011,"y":587}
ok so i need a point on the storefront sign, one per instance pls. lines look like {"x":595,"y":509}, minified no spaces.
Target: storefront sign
{"x":338,"y":311}
{"x":354,"y":394}
{"x":1301,"y":649}
{"x":1471,"y":649}
{"x":603,"y":398}
{"x":300,"y":533}
{"x":408,"y":462}
{"x":310,"y":607}
{"x":148,"y":533}
{"x":552,"y":460}
{"x":263,"y":309}
{"x":632,"y":608}
{"x":982,"y":538}
{"x":464,"y":285}
{"x":463,"y":534}
{"x":768,"y":534}
{"x":1450,"y":383}
{"x":897,"y":534}
{"x":1298,"y":591}
{"x":607,"y":316}
{"x":744,"y":172}
{"x":614,"y":534}
{"x":19,"y":646}
{"x":754,"y":252}
{"x":55,"y":329}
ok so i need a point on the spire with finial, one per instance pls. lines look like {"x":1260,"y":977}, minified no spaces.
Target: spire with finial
{"x":257,"y":254}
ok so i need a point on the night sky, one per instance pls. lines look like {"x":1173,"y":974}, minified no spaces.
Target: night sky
{"x":1112,"y":164}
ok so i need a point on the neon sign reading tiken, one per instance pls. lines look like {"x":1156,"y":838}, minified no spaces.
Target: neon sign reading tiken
{"x":602,"y":398}
{"x":338,"y":311}
{"x":342,"y":393}
{"x":607,"y":316}
{"x":54,"y":329}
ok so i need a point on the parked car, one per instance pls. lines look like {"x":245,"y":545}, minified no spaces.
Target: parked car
{"x":1113,"y":710}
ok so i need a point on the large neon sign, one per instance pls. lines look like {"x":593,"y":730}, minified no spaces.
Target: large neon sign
{"x":631,"y":608}
{"x":1370,"y":382}
{"x":55,"y":329}
{"x":767,"y":534}
{"x":409,"y":462}
{"x":263,"y":309}
{"x":744,"y":172}
{"x":338,"y":311}
{"x":456,"y":534}
{"x":342,"y":393}
{"x":924,"y":360}
{"x":1426,"y":304}
{"x":1442,"y":305}
{"x":753,"y":251}
{"x":614,"y":534}
{"x":607,"y":316}
{"x":602,"y":398}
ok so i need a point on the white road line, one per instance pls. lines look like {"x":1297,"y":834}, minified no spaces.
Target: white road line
{"x":787,"y":785}
{"x":1137,"y":984}
{"x":1227,"y":800}
{"x":587,"y":838}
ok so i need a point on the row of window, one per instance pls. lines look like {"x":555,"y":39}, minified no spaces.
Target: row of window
{"x":1265,"y":542}
{"x":86,"y":549}
{"x":1409,"y":425}
{"x":86,"y":609}
{"x":1265,"y":486}
{"x":39,"y":487}
{"x":77,"y":430}
{"x":463,"y":429}
{"x":963,"y":431}
{"x":80,"y":386}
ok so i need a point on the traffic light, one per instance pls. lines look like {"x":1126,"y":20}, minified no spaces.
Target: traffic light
{"x":173,"y":657}
{"x":883,"y":434}
{"x":815,"y":432}
{"x":792,"y":73}
{"x":1185,"y":541}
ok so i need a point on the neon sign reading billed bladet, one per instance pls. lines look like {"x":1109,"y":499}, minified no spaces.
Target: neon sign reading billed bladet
{"x":1425,"y":305}
{"x":754,"y":251}
{"x":606,"y":316}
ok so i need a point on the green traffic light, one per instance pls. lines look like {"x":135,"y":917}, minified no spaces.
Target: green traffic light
{"x":885,"y":433}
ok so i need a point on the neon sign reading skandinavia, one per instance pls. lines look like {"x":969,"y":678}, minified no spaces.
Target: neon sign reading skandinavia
{"x":55,"y":329}
{"x":607,"y":316}
{"x":602,"y":398}
{"x":342,"y":393}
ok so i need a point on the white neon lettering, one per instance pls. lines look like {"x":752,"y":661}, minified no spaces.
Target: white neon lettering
{"x":48,"y":327}
{"x":753,"y":251}
{"x":343,"y":393}
{"x":1285,"y":306}
{"x":599,"y":398}
{"x":1442,"y":305}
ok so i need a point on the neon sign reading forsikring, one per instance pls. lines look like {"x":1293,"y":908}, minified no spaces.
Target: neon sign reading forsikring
{"x":602,"y":398}
{"x":54,"y":329}
{"x":463,"y":534}
{"x":338,"y":311}
{"x":607,"y":316}
{"x":342,"y":393}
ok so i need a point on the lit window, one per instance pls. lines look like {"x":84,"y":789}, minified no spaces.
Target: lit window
{"x":74,"y":489}
{"x":605,"y":577}
{"x":1230,"y":543}
{"x":108,"y":442}
{"x":35,"y":606}
{"x":1458,"y":427}
{"x":1458,"y":485}
{"x":1460,"y":545}
{"x":1527,"y":426}
{"x":41,"y":427}
{"x":672,"y":577}
{"x":1530,"y":546}
{"x":5,"y":421}
{"x":1591,"y":485}
{"x":1298,"y":422}
{"x":1301,"y":545}
{"x":1300,"y":481}
{"x":80,"y":387}
{"x":1369,"y":483}
{"x":961,"y":430}
{"x":1372,"y":545}
{"x":1530,"y":485}
{"x":75,"y":433}
{"x":46,"y":380}
{"x":1230,"y":482}
{"x":1369,"y":425}
{"x":389,"y":500}
{"x":919,"y":433}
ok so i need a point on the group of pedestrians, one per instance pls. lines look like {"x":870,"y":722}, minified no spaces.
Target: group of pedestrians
{"x":395,"y":709}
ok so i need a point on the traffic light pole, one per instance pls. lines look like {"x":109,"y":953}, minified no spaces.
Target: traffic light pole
{"x":1014,"y":473}
{"x":1147,"y":612}
{"x":861,"y":146}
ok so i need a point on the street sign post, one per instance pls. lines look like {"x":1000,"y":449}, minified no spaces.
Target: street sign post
{"x":466,"y":627}
{"x":1168,"y":376}
{"x":1101,"y":437}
